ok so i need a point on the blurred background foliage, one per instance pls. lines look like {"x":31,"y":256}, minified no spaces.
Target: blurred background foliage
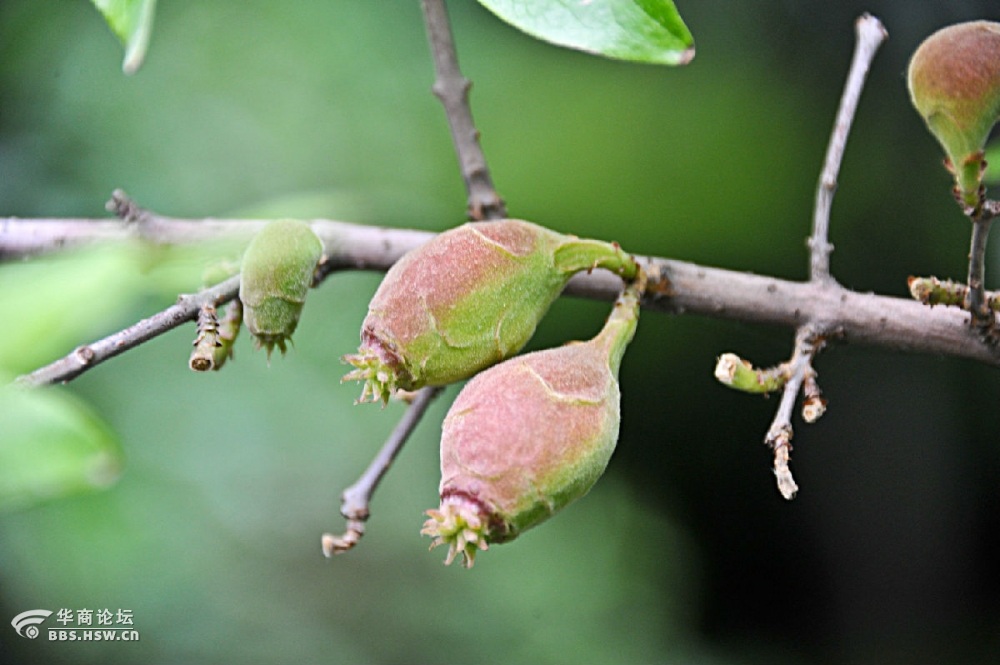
{"x":684,"y":552}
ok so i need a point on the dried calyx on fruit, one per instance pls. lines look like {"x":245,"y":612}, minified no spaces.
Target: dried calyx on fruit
{"x":954,"y":82}
{"x":467,"y":299}
{"x":277,"y":271}
{"x":528,"y":436}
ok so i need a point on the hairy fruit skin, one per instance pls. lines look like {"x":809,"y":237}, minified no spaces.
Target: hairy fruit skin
{"x":954,"y":82}
{"x":467,"y":299}
{"x":277,"y":272}
{"x":527,"y":437}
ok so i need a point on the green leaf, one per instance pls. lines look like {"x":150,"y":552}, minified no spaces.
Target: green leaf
{"x":52,"y":446}
{"x":132,"y":21}
{"x":648,"y":31}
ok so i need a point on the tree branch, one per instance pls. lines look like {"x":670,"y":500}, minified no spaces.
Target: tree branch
{"x":678,"y":287}
{"x":90,"y":355}
{"x":453,"y":90}
{"x":355,"y":499}
{"x":816,"y":325}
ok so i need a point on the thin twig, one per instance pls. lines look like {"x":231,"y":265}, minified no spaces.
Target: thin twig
{"x":453,"y":90}
{"x":85,"y":357}
{"x":355,"y":499}
{"x":975,"y":300}
{"x":870,"y":35}
{"x":779,"y":436}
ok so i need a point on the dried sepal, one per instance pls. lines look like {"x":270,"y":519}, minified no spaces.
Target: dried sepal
{"x":460,"y":524}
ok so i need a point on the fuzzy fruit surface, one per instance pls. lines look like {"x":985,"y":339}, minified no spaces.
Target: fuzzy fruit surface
{"x":467,"y":299}
{"x":954,"y":82}
{"x":525,"y":438}
{"x":276,"y":274}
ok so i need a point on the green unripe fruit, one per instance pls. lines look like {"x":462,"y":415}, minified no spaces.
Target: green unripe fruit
{"x":525,"y":438}
{"x":954,"y":82}
{"x":467,"y":299}
{"x":277,"y":271}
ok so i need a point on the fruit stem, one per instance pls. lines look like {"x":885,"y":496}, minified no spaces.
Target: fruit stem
{"x":576,"y":254}
{"x":620,"y":327}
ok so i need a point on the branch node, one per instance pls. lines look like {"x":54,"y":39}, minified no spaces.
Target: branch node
{"x":84,"y":354}
{"x":123,"y":207}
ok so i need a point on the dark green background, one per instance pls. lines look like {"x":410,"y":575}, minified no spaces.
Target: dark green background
{"x":684,"y":552}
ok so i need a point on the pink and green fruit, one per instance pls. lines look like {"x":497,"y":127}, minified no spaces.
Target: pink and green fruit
{"x":954,"y":82}
{"x":525,"y":438}
{"x":467,"y":299}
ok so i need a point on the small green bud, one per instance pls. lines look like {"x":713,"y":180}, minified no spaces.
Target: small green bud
{"x":954,"y":82}
{"x":525,"y":438}
{"x":277,"y":271}
{"x":467,"y":299}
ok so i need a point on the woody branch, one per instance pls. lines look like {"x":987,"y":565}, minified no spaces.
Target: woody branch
{"x":677,"y":287}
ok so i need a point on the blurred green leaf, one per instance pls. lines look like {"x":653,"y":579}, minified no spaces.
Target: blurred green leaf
{"x":52,"y":446}
{"x":650,"y":31}
{"x":132,"y":21}
{"x":51,"y":305}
